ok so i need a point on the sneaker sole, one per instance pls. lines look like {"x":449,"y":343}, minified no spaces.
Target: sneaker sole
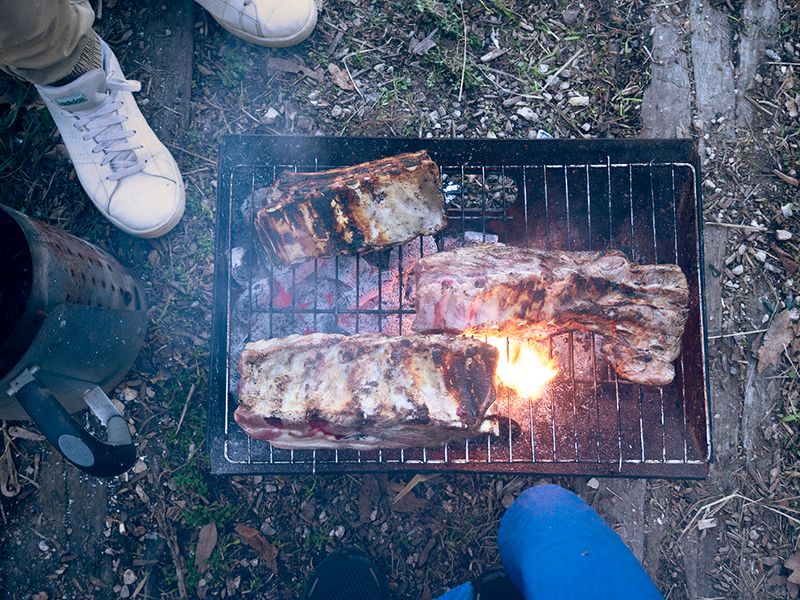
{"x":160,"y":230}
{"x":291,"y":40}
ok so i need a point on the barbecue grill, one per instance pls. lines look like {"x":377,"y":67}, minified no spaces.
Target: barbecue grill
{"x":638,"y":196}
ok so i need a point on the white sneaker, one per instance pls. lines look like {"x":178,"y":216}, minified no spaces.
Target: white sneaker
{"x":274,"y":23}
{"x":123,"y":167}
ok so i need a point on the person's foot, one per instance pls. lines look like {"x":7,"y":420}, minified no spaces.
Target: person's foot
{"x":123,"y":167}
{"x":346,"y":575}
{"x":494,"y":584}
{"x":274,"y":23}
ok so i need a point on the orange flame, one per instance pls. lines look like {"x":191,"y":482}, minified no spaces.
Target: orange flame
{"x":522,"y":366}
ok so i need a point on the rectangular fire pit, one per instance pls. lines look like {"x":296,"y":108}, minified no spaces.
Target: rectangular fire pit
{"x":638,"y":196}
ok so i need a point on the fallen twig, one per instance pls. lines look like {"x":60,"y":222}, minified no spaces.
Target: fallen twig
{"x":735,"y":226}
{"x":185,"y":406}
{"x":552,"y":78}
{"x":726,"y":335}
{"x":464,"y":59}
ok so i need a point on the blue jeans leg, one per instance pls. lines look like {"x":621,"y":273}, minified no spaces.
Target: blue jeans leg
{"x":554,"y":546}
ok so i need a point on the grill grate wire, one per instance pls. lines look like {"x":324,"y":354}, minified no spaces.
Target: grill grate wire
{"x":588,"y":422}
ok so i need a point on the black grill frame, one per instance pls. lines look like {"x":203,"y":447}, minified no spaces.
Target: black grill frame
{"x":259,"y":158}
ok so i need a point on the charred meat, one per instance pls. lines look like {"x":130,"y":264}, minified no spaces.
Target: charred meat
{"x":364,"y":391}
{"x":640,"y":310}
{"x":351,"y":210}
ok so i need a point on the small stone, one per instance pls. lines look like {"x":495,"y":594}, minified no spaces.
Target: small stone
{"x":43,"y":546}
{"x":570,"y":16}
{"x":339,"y":531}
{"x":579,"y":101}
{"x":737,"y":270}
{"x":270,"y":116}
{"x":140,"y":466}
{"x":543,"y":68}
{"x":336,"y":111}
{"x":709,"y":183}
{"x":129,"y":394}
{"x":761,"y":256}
{"x":124,"y":592}
{"x":270,"y":488}
{"x":586,"y":127}
{"x":593,"y":483}
{"x":706,"y":524}
{"x":527,"y":113}
{"x":783,"y":235}
{"x":754,"y":535}
{"x":128,"y":577}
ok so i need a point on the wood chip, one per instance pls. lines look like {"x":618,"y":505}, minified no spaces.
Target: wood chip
{"x":20,"y":432}
{"x":340,"y":78}
{"x":579,"y":101}
{"x":368,"y":496}
{"x":206,"y":542}
{"x":426,"y":551}
{"x":492,"y":54}
{"x":786,"y":178}
{"x":259,"y":544}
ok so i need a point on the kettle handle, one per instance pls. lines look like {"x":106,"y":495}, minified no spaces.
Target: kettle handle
{"x":103,"y":459}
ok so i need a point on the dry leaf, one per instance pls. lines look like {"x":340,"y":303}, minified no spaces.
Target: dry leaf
{"x":259,"y":544}
{"x":205,"y":546}
{"x":9,"y":485}
{"x":789,"y":263}
{"x":424,"y":45}
{"x":290,"y":66}
{"x":340,"y":78}
{"x":409,"y":502}
{"x":779,"y":335}
{"x":793,"y":562}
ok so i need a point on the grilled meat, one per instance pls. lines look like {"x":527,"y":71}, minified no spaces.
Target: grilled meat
{"x":640,"y":310}
{"x":364,"y":391}
{"x":351,"y":210}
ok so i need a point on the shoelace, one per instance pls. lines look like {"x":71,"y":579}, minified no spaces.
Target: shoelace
{"x":104,"y":125}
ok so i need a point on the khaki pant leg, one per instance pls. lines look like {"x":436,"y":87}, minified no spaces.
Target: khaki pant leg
{"x":42,"y":40}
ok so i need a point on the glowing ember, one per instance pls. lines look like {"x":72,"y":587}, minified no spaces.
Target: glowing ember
{"x":523,"y":366}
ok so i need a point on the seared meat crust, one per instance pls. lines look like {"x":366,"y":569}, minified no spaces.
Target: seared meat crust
{"x":640,"y":310}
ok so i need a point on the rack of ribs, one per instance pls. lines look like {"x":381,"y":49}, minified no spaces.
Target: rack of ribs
{"x":351,"y":210}
{"x":640,"y":310}
{"x":365,"y":391}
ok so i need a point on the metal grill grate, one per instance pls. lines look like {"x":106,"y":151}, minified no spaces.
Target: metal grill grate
{"x":640,"y":197}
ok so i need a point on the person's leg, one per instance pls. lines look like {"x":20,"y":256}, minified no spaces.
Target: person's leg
{"x":555,"y":546}
{"x":274,"y":23}
{"x":45,"y":41}
{"x":125,"y":170}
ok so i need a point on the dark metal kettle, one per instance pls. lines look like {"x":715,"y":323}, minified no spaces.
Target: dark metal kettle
{"x":72,"y":321}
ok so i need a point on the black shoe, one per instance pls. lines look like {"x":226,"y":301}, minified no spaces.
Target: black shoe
{"x":494,"y":584}
{"x":346,"y":575}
